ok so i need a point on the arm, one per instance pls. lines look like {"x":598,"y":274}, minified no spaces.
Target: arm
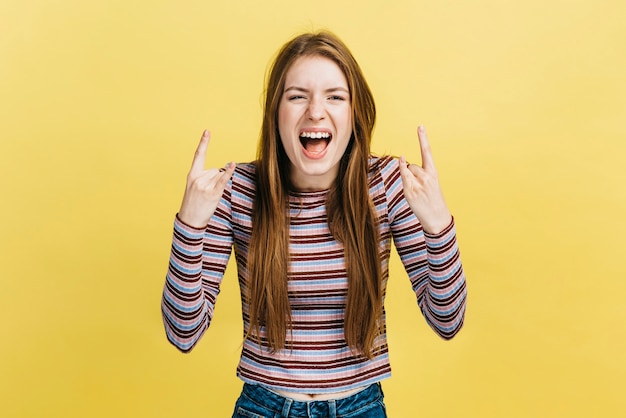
{"x":197,"y":264}
{"x":440,"y":285}
{"x":425,"y":236}
{"x":199,"y":255}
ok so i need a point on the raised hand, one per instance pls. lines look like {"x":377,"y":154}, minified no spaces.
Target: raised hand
{"x":204,"y":188}
{"x":422,"y":190}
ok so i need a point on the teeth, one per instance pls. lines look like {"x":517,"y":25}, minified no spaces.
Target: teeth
{"x":315,"y":135}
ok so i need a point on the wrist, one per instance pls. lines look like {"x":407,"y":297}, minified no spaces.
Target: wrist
{"x":190,"y":221}
{"x":437,"y":226}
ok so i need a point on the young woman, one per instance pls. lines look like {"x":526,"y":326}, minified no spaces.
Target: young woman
{"x":311,"y":222}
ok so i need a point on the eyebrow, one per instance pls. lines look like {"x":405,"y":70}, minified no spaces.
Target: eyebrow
{"x":330,"y":90}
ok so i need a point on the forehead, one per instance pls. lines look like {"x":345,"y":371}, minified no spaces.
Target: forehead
{"x":315,"y":70}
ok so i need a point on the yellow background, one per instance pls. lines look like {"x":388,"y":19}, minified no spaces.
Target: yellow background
{"x":102,"y":104}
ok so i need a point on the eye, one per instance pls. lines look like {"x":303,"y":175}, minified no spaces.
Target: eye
{"x":296,"y":97}
{"x":337,"y":98}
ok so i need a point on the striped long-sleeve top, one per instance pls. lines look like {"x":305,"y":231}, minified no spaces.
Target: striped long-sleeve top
{"x":317,"y":358}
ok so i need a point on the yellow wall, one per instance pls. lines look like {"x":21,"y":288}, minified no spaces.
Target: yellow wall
{"x":101,"y":106}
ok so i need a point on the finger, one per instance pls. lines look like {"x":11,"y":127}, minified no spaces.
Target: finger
{"x":404,"y":166}
{"x":407,"y":169}
{"x":427,"y":156}
{"x":200,"y":155}
{"x":215,"y":179}
{"x":224,"y":176}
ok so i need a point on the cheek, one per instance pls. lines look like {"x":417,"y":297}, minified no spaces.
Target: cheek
{"x":344,"y":115}
{"x":284,"y":110}
{"x":281,"y":118}
{"x":346,"y":123}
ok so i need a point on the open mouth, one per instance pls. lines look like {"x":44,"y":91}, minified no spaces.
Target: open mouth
{"x":315,"y":142}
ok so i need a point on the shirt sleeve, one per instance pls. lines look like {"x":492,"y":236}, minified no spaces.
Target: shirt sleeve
{"x":197,"y":264}
{"x":432,"y":262}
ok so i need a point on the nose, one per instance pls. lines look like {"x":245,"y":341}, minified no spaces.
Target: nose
{"x":316,"y":110}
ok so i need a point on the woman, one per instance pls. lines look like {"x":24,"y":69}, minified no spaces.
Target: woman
{"x":311,"y":221}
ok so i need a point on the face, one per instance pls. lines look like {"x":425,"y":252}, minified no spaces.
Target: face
{"x":314,"y":121}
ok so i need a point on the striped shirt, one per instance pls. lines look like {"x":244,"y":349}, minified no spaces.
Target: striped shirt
{"x":317,"y":358}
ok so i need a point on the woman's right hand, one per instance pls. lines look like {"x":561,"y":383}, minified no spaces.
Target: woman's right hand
{"x":204,"y":188}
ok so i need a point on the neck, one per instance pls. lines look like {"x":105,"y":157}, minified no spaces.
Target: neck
{"x":312,"y":183}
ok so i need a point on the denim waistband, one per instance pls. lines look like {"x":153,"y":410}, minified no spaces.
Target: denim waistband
{"x":292,"y":408}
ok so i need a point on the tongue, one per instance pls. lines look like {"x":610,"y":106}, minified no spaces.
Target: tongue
{"x":316,"y":145}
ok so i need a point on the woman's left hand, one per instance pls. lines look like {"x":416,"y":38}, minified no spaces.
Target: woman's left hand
{"x":422,"y":190}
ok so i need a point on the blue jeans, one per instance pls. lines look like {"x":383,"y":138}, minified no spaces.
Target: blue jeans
{"x":257,"y":402}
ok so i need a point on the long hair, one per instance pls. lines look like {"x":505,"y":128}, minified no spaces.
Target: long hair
{"x":351,"y":216}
